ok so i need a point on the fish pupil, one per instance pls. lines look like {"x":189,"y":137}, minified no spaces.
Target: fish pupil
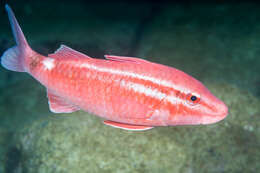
{"x":193,"y":98}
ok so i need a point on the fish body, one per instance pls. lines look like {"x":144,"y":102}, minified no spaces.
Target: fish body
{"x":130,"y":93}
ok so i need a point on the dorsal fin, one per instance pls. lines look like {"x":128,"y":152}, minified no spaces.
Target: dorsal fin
{"x":125,"y":59}
{"x":66,"y":52}
{"x":58,"y":105}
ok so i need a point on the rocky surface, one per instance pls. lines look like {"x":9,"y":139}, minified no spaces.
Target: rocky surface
{"x":4,"y":142}
{"x":79,"y":141}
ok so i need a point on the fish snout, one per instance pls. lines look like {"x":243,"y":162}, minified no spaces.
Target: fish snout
{"x":223,"y":110}
{"x":219,"y":111}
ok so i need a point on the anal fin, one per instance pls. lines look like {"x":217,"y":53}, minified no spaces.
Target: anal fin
{"x":58,"y":105}
{"x":127,"y":126}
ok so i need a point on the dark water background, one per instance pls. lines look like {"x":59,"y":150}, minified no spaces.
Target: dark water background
{"x":217,"y":43}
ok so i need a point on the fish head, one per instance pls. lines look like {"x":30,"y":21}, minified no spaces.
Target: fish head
{"x":194,"y":104}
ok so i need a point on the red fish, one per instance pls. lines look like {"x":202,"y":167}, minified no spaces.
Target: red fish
{"x":130,"y":93}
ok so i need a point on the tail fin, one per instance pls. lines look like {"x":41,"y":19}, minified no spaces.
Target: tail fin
{"x":14,"y":58}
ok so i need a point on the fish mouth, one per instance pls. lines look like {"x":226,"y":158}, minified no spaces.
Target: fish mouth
{"x":216,"y":117}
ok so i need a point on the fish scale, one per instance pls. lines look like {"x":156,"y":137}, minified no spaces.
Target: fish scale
{"x":94,"y":89}
{"x":130,"y":93}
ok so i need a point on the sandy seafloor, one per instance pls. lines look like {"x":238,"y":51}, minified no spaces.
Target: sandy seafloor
{"x":217,"y":43}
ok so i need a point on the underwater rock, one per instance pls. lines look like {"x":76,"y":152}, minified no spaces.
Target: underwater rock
{"x":3,"y":144}
{"x":21,"y":103}
{"x":7,"y":159}
{"x":80,"y":142}
{"x":232,"y":145}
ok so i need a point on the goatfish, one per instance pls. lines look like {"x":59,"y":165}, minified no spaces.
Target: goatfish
{"x":129,"y":93}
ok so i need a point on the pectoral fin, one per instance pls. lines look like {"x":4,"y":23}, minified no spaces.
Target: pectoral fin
{"x":126,"y":126}
{"x":59,"y":105}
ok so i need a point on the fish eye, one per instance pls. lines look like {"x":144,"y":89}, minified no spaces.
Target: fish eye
{"x":192,"y":99}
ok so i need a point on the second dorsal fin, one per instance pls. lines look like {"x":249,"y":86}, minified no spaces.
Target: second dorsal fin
{"x":125,"y":59}
{"x":67,"y":52}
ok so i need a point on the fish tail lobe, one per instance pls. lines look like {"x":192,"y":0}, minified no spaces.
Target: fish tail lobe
{"x":15,"y":58}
